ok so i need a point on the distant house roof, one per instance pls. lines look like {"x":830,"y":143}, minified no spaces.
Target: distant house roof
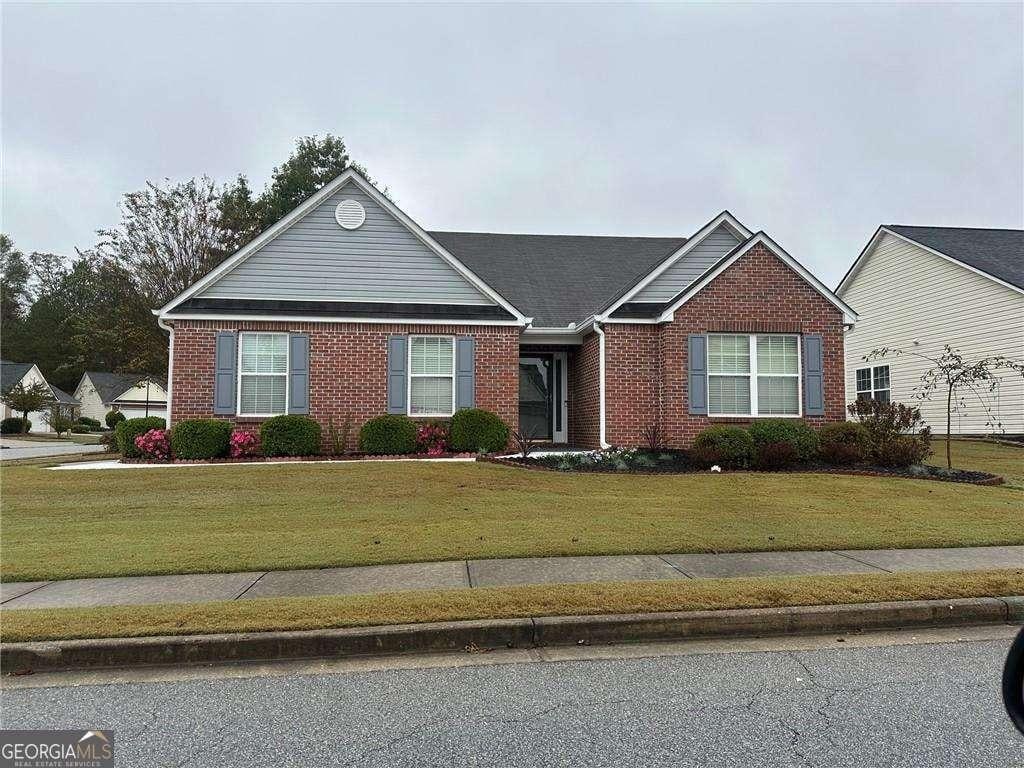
{"x":558,"y":279}
{"x":996,"y":252}
{"x":110,"y":386}
{"x":63,"y":397}
{"x":12,"y":373}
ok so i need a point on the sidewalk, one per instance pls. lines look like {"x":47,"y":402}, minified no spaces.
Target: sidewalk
{"x":469,"y":574}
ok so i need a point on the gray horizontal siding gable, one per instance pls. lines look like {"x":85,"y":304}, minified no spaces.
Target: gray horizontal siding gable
{"x":316,"y":260}
{"x":676,"y":278}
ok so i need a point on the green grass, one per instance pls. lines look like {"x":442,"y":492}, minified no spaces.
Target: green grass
{"x":1000,"y":459}
{"x":68,"y":524}
{"x":492,"y":603}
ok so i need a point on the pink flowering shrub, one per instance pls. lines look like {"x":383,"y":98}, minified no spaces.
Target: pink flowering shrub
{"x":432,"y":439}
{"x":243,"y":444}
{"x":154,"y":444}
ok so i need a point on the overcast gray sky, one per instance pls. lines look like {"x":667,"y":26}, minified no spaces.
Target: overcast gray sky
{"x":813,"y":122}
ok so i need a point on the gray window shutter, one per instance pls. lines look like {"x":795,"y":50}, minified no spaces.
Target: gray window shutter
{"x":698,"y":370}
{"x":298,"y":373}
{"x":814,"y":376}
{"x":465,"y":382}
{"x":225,"y":373}
{"x":398,"y":357}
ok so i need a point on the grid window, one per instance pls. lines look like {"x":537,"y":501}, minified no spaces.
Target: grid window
{"x":753,"y":375}
{"x":263,"y":374}
{"x":431,"y":376}
{"x":874,"y":384}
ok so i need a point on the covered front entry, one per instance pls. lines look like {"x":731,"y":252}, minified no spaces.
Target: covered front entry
{"x":543,"y":395}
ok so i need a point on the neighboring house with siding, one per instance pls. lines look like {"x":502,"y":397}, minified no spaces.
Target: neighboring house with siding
{"x":347,"y":309}
{"x":920,"y":288}
{"x":133,"y":394}
{"x":27,"y":374}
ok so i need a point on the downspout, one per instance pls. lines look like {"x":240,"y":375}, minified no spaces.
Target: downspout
{"x":600,"y":388}
{"x":170,"y":369}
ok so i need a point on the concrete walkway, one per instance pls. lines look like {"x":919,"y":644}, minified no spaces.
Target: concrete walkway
{"x":12,"y":448}
{"x":463,"y":574}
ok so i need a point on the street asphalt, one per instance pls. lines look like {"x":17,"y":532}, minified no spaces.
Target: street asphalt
{"x":12,"y":448}
{"x":888,"y":699}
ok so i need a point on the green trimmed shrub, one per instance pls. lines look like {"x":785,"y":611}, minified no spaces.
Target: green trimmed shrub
{"x":795,"y":432}
{"x":474,"y":429}
{"x":78,"y":429}
{"x":775,"y":456}
{"x":200,"y":439}
{"x":13,"y":425}
{"x":128,"y":429}
{"x":289,"y":436}
{"x":733,"y":446}
{"x":91,"y":423}
{"x":113,"y":418}
{"x":388,"y":434}
{"x":844,"y":442}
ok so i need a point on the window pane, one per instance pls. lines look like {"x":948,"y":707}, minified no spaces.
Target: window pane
{"x":863,"y":379}
{"x":778,"y":395}
{"x":248,"y":353}
{"x":430,"y":395}
{"x":882,"y":396}
{"x":729,"y":394}
{"x":882,"y":377}
{"x":728,"y":354}
{"x":264,"y":353}
{"x":263,"y":394}
{"x":432,"y":355}
{"x":777,"y":354}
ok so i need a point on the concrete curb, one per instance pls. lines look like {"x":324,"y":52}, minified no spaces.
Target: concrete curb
{"x":511,"y":633}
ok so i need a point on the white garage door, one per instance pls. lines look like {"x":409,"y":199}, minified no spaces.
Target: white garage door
{"x":137,"y":412}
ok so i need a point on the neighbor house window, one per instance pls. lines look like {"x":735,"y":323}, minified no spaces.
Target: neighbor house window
{"x":873,"y":384}
{"x":262,"y":374}
{"x":756,"y":375}
{"x":431,"y":376}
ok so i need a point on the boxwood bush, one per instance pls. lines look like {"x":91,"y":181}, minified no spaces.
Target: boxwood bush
{"x":794,"y":432}
{"x":845,"y":442}
{"x":113,"y":418}
{"x":200,"y":439}
{"x":289,"y":436}
{"x":388,"y":434}
{"x":91,"y":423}
{"x":731,"y":447}
{"x":13,"y":425}
{"x":128,"y":429}
{"x":474,"y":429}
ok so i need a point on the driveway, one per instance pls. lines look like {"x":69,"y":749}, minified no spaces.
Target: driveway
{"x":34,"y":449}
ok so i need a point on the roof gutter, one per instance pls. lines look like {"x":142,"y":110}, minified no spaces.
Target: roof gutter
{"x":170,"y":365}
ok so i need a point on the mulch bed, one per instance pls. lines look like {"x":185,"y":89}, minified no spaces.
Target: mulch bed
{"x":320,"y":457}
{"x":680,"y":468}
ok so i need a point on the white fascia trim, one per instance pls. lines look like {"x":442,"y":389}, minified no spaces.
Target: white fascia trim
{"x":723,"y":218}
{"x":315,"y":200}
{"x":869,"y":248}
{"x":568,"y":336}
{"x":600,"y":386}
{"x":849,"y":316}
{"x":315,"y":319}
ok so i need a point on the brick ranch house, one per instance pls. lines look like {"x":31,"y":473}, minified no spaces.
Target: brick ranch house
{"x":347,"y":309}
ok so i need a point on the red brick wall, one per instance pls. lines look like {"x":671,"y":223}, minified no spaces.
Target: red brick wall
{"x":584,"y":387}
{"x":647,"y":364}
{"x":348,"y":368}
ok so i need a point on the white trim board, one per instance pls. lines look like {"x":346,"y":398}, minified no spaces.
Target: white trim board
{"x":883,"y":230}
{"x":849,"y":316}
{"x":329,"y":189}
{"x":698,"y":237}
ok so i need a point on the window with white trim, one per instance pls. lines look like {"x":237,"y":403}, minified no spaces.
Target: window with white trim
{"x":873,"y":384}
{"x":754,"y":375}
{"x":431,"y":376}
{"x":262,"y":374}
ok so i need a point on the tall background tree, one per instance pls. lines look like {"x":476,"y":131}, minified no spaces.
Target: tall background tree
{"x":93,"y":311}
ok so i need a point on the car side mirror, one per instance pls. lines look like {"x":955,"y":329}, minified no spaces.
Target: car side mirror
{"x":1013,"y":682}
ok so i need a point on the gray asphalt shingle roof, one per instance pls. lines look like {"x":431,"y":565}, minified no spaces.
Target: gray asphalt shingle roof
{"x":558,"y":279}
{"x":997,"y":252}
{"x":12,"y":373}
{"x":63,"y":396}
{"x":111,"y":385}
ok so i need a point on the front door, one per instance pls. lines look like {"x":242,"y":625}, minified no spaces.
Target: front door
{"x":542,"y":396}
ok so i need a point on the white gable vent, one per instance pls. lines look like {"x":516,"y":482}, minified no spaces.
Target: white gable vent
{"x":350,"y":214}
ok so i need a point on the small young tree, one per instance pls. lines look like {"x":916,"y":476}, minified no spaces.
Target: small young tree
{"x":22,"y":399}
{"x":959,"y":379}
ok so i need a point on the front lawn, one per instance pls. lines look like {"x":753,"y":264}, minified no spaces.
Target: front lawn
{"x":301,"y":613}
{"x":68,"y":524}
